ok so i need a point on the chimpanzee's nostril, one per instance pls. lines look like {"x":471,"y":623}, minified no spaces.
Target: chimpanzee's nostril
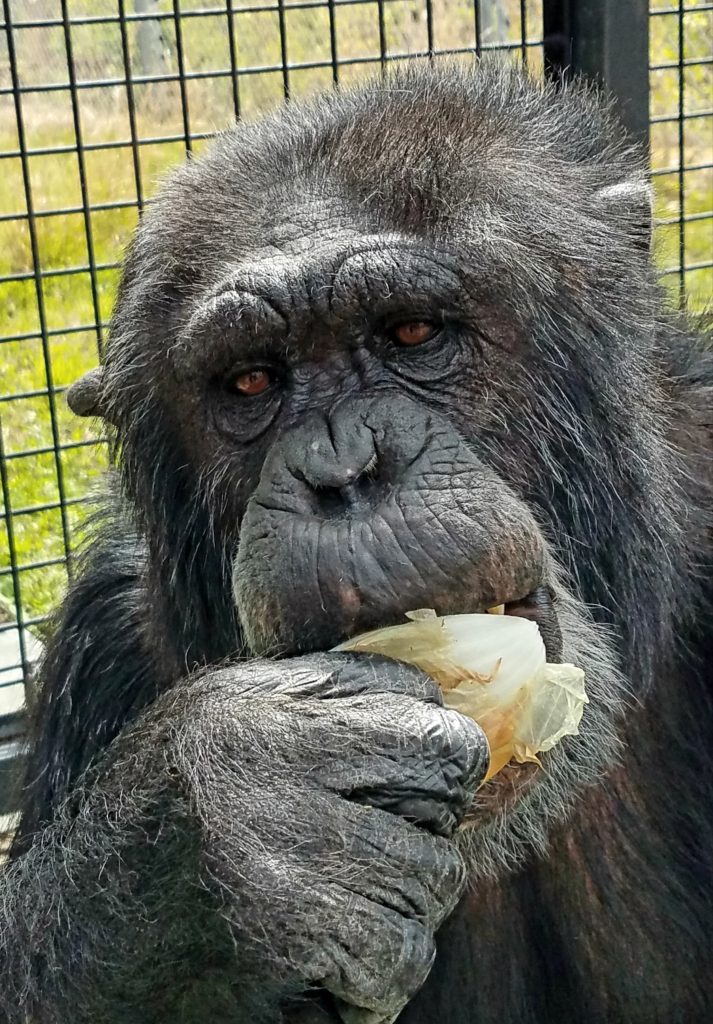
{"x":338,"y":455}
{"x":340,"y":461}
{"x":356,"y":491}
{"x":371,"y":466}
{"x":355,"y":476}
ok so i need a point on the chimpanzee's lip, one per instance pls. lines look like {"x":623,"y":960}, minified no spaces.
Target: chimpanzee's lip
{"x":539,"y":607}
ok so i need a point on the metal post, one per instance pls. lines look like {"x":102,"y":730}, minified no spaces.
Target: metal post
{"x":608,"y":42}
{"x":152,"y":47}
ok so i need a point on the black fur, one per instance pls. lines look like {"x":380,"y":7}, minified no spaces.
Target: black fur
{"x":569,"y":403}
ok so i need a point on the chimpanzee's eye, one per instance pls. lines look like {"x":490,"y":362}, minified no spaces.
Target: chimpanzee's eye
{"x":414,"y":332}
{"x":253,"y":382}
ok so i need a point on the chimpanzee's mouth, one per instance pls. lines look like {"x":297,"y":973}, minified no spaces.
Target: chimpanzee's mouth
{"x":538,"y":606}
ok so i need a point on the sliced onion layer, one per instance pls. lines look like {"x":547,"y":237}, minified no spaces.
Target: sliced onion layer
{"x":493,"y":669}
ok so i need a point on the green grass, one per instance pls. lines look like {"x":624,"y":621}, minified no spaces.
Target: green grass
{"x":25,"y":365}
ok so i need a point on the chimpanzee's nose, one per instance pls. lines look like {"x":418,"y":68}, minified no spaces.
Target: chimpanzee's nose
{"x":340,"y":463}
{"x":349,"y":457}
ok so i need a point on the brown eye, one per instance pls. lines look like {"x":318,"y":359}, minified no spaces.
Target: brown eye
{"x":414,"y":332}
{"x":252,"y":382}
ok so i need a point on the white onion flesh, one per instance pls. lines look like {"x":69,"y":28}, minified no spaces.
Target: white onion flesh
{"x":493,"y":669}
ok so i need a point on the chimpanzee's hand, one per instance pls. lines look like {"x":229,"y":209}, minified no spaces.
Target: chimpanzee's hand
{"x":326,"y":788}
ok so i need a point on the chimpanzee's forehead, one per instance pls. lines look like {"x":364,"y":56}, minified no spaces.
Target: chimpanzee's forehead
{"x":314,"y":230}
{"x":297,"y":221}
{"x":288,"y":184}
{"x":437,"y":161}
{"x":309,"y":221}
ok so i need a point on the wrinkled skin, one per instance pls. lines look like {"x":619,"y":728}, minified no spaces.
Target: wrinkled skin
{"x":223,"y":820}
{"x":426,"y":526}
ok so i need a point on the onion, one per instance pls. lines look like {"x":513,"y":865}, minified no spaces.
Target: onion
{"x":493,"y":669}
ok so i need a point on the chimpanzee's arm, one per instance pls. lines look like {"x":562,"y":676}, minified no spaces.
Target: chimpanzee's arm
{"x":97,"y":675}
{"x":103,"y":918}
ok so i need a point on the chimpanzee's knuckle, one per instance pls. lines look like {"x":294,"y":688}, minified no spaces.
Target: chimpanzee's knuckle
{"x":450,"y":751}
{"x":401,"y":862}
{"x":378,"y":958}
{"x":438,"y":864}
{"x":465,"y":748}
{"x":440,"y":753}
{"x":338,"y":674}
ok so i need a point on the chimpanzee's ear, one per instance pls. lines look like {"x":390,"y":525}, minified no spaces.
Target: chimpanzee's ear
{"x":630,"y":202}
{"x":86,"y":396}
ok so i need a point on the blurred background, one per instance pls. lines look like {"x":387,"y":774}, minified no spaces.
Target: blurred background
{"x":99,"y":98}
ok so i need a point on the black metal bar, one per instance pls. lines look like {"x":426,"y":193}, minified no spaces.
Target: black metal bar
{"x":688,"y":218}
{"x":305,"y":65}
{"x":689,"y":62}
{"x":28,"y":621}
{"x":661,"y":171}
{"x":36,"y":275}
{"x":82,"y":167}
{"x":35,"y":393}
{"x":45,"y":506}
{"x":35,"y":620}
{"x":51,"y":333}
{"x":182,"y":77}
{"x":39,"y":275}
{"x":690,"y":9}
{"x":477,"y":17}
{"x":12,"y":769}
{"x":429,"y":28}
{"x":67,"y":211}
{"x":96,"y":147}
{"x":14,"y":568}
{"x":691,"y":115}
{"x":26,"y":453}
{"x":333,"y":51}
{"x":131,"y":106}
{"x":681,"y":159}
{"x":523,"y":30}
{"x":27,"y":567}
{"x":382,"y":34}
{"x":688,"y":267}
{"x":608,"y":42}
{"x":233,"y":50}
{"x":202,"y":12}
{"x":283,"y":49}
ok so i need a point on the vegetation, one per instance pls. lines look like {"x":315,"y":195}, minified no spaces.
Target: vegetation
{"x":74,"y":302}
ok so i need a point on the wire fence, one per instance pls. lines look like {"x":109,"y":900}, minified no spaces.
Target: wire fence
{"x":99,"y":98}
{"x":681,"y":135}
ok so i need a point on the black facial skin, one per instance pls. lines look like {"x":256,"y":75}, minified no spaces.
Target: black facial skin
{"x":398,"y":348}
{"x":388,"y":510}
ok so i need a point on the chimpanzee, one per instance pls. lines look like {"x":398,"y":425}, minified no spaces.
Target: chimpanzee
{"x":399,"y":347}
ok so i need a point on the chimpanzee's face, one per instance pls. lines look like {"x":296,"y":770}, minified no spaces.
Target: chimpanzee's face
{"x":391,"y":357}
{"x":338,"y":395}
